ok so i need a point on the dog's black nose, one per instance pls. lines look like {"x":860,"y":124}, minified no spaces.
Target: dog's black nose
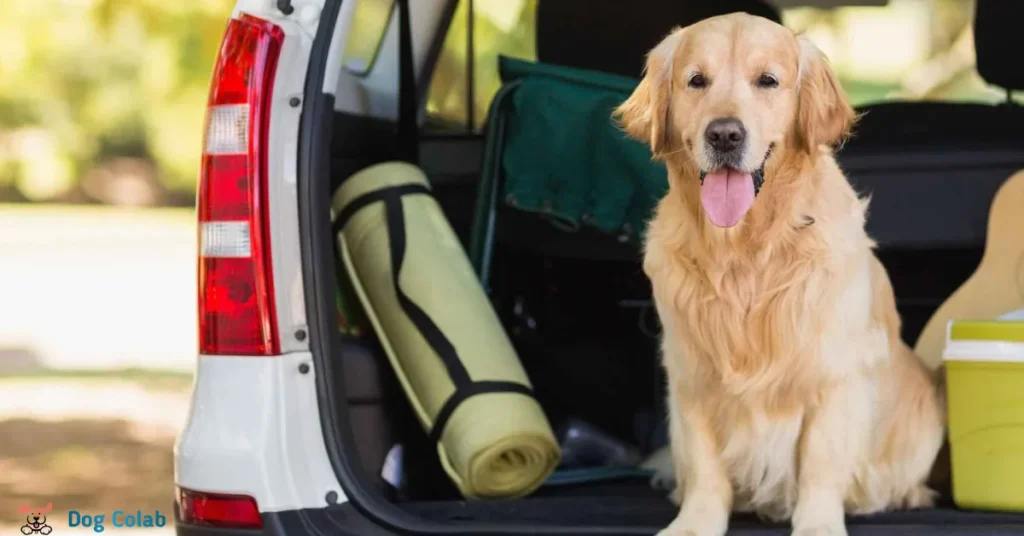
{"x":725,"y":134}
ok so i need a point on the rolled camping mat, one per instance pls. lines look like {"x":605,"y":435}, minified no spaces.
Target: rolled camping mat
{"x":441,"y":334}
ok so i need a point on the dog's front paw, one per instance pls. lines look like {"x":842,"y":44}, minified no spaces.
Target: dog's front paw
{"x":697,"y":522}
{"x":677,"y":529}
{"x":839,"y":530}
{"x":671,"y":531}
{"x":46,"y":530}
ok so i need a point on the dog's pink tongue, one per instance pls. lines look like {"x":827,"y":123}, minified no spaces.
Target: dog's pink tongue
{"x":727,"y":195}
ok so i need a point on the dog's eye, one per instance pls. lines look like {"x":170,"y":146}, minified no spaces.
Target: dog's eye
{"x":767,"y":81}
{"x":697,"y":81}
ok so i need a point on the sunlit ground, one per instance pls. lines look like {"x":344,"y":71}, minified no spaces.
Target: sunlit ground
{"x":97,"y":344}
{"x":92,"y":444}
{"x":96,"y":288}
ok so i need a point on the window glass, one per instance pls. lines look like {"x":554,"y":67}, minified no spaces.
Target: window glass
{"x":501,"y":27}
{"x":905,"y":50}
{"x":369,"y":23}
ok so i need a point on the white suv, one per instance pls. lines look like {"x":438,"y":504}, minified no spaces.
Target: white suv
{"x":293,"y":427}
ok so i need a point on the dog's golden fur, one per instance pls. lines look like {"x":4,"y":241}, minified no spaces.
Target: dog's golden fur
{"x":791,"y":393}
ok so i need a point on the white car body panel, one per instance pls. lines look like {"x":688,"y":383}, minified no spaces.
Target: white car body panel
{"x":282,"y":195}
{"x":254,"y":429}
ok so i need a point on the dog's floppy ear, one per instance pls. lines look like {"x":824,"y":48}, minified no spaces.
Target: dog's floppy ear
{"x":49,"y":506}
{"x":824,"y":116}
{"x":25,"y":508}
{"x":645,"y":114}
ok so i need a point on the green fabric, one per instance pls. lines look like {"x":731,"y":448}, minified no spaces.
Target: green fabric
{"x":563,"y":155}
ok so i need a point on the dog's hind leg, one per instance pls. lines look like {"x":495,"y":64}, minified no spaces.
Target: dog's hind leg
{"x":664,"y":477}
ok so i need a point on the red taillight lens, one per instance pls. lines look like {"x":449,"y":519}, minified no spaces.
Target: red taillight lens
{"x":234,"y":511}
{"x":236,"y":294}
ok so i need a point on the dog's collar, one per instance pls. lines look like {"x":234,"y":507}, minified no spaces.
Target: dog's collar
{"x":757,"y":175}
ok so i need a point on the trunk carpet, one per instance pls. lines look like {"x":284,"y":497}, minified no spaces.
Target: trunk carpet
{"x":635,"y":504}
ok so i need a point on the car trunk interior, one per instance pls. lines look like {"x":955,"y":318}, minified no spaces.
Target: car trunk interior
{"x":577,"y":307}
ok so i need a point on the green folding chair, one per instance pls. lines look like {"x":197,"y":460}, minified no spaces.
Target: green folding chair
{"x":553,"y":149}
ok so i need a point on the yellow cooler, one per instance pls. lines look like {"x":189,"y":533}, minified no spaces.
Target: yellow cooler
{"x":985,"y":380}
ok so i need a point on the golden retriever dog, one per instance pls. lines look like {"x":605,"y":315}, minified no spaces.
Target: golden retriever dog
{"x":791,"y":394}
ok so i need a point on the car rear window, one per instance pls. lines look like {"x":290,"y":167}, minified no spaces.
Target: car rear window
{"x":910,"y":50}
{"x":500,"y":27}
{"x":369,"y":24}
{"x":916,"y":50}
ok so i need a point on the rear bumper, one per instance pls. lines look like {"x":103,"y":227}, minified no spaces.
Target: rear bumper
{"x":342,"y":520}
{"x":346,"y":520}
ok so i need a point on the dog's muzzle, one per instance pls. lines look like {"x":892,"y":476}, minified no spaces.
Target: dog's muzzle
{"x":757,"y":175}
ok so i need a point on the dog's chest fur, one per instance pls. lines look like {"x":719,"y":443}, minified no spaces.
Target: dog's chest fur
{"x":754,"y":341}
{"x":746,"y":331}
{"x":748,"y":367}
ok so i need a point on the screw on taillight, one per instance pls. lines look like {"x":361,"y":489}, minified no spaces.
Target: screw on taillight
{"x":236,"y":293}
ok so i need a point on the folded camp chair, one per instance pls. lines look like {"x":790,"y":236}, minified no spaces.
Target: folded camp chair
{"x":553,"y":149}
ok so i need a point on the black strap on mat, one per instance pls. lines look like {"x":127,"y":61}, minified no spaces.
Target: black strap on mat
{"x":358,"y":203}
{"x":463,"y":392}
{"x":465,"y":386}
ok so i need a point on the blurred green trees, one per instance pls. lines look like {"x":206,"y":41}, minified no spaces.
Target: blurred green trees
{"x":98,"y":91}
{"x":103,"y":100}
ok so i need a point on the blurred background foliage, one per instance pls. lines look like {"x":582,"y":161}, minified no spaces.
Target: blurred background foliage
{"x":102,"y":101}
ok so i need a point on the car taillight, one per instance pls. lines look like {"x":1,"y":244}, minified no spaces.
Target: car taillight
{"x":236,"y":294}
{"x":215,"y":510}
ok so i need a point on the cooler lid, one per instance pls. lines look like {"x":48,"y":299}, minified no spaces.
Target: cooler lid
{"x":984,"y":340}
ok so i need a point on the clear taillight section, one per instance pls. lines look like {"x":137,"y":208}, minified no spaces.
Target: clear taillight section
{"x":236,"y":294}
